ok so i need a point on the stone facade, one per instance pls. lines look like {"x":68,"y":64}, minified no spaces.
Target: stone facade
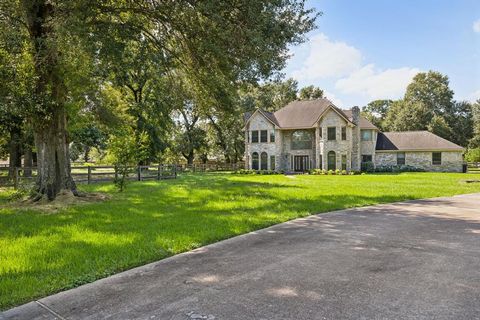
{"x":451,"y":161}
{"x":354,"y":141}
{"x":318,"y":154}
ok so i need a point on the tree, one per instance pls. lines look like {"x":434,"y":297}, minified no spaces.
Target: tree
{"x":86,"y":138}
{"x":428,"y":105}
{"x":474,"y":142}
{"x":376,"y":112}
{"x":215,"y":43}
{"x":269,"y":96}
{"x":310,"y":92}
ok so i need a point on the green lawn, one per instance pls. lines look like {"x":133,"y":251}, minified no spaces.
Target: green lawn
{"x":43,"y":253}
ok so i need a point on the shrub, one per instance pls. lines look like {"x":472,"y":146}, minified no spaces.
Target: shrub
{"x":331,"y":172}
{"x":402,"y":168}
{"x":473,"y":155}
{"x":344,"y":172}
{"x":368,"y":166}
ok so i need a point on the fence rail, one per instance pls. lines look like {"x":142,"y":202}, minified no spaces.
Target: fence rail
{"x":473,"y":167}
{"x":92,"y":174}
{"x":103,"y":173}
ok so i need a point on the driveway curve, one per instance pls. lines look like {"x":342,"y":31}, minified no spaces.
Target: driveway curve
{"x":410,"y":260}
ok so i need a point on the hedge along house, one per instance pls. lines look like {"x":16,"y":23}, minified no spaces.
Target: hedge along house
{"x":315,"y":134}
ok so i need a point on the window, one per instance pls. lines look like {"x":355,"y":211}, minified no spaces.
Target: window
{"x":255,"y":161}
{"x":320,"y":131}
{"x":248,"y":136}
{"x":366,"y":158}
{"x":436,"y":158}
{"x":263,"y":136}
{"x":400,"y":158}
{"x":272,"y":136}
{"x":332,"y":133}
{"x":344,"y":162}
{"x":332,"y":159}
{"x":255,"y":136}
{"x":301,"y":139}
{"x":264,"y":161}
{"x":366,"y":135}
{"x":344,"y":133}
{"x":320,"y":165}
{"x":272,"y":162}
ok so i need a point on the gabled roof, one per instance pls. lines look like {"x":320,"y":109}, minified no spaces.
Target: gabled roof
{"x":364,"y":123}
{"x":305,"y":114}
{"x":414,"y":141}
{"x":302,"y":114}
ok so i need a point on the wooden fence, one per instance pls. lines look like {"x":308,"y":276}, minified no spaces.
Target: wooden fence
{"x":473,"y":167}
{"x":92,"y":174}
{"x":210,"y":167}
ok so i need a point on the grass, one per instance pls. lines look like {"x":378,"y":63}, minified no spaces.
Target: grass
{"x":42,"y":253}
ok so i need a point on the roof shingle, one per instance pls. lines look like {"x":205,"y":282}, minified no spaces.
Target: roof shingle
{"x":414,"y":140}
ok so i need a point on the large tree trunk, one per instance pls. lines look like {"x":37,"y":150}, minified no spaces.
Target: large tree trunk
{"x":50,"y":132}
{"x":15,"y":151}
{"x":53,"y":161}
{"x":28,"y":161}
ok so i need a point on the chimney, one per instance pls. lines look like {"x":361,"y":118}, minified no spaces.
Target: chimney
{"x":356,"y":152}
{"x":356,"y":115}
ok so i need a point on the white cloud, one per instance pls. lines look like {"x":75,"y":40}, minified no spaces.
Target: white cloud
{"x":377,"y":84}
{"x":327,"y":58}
{"x":476,"y":26}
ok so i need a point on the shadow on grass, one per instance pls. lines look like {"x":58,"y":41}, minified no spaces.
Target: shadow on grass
{"x":150,"y":221}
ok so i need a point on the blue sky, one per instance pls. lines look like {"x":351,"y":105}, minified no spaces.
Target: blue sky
{"x":370,"y":49}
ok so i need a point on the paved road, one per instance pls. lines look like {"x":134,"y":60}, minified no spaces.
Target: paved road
{"x":410,"y":260}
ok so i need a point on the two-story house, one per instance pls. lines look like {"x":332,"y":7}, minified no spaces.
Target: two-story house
{"x":316,"y":134}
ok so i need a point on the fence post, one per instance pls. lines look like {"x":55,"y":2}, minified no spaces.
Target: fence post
{"x":89,"y":174}
{"x":139,"y":173}
{"x":175,"y":170}
{"x":159,"y":172}
{"x":115,"y":168}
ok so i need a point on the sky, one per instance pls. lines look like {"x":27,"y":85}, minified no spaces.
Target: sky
{"x":364,"y":50}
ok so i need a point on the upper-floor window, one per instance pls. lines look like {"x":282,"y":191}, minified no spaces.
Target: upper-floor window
{"x":367,"y":135}
{"x":332,"y":133}
{"x":263,"y":136}
{"x":344,"y":133}
{"x":400,"y":158}
{"x":301,"y":139}
{"x":272,"y":136}
{"x":254,"y":136}
{"x":436,"y":158}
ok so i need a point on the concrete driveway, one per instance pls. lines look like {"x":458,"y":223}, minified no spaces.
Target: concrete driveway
{"x":410,"y":260}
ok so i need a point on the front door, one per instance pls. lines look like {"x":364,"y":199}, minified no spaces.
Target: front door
{"x":300,"y":163}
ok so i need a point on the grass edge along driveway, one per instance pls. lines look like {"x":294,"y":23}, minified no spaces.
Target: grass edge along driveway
{"x":43,"y":253}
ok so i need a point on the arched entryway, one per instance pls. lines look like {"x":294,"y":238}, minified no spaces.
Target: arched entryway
{"x":332,"y":161}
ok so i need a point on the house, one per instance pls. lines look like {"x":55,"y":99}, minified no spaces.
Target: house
{"x":316,"y":134}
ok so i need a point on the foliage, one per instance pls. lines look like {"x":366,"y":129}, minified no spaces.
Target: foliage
{"x":367,"y":166}
{"x":376,"y":111}
{"x":475,"y":140}
{"x":138,"y":47}
{"x":310,"y":93}
{"x":152,"y":220}
{"x":84,"y":139}
{"x":427,"y":105}
{"x":398,"y":168}
{"x":126,"y":152}
{"x":473,"y":155}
